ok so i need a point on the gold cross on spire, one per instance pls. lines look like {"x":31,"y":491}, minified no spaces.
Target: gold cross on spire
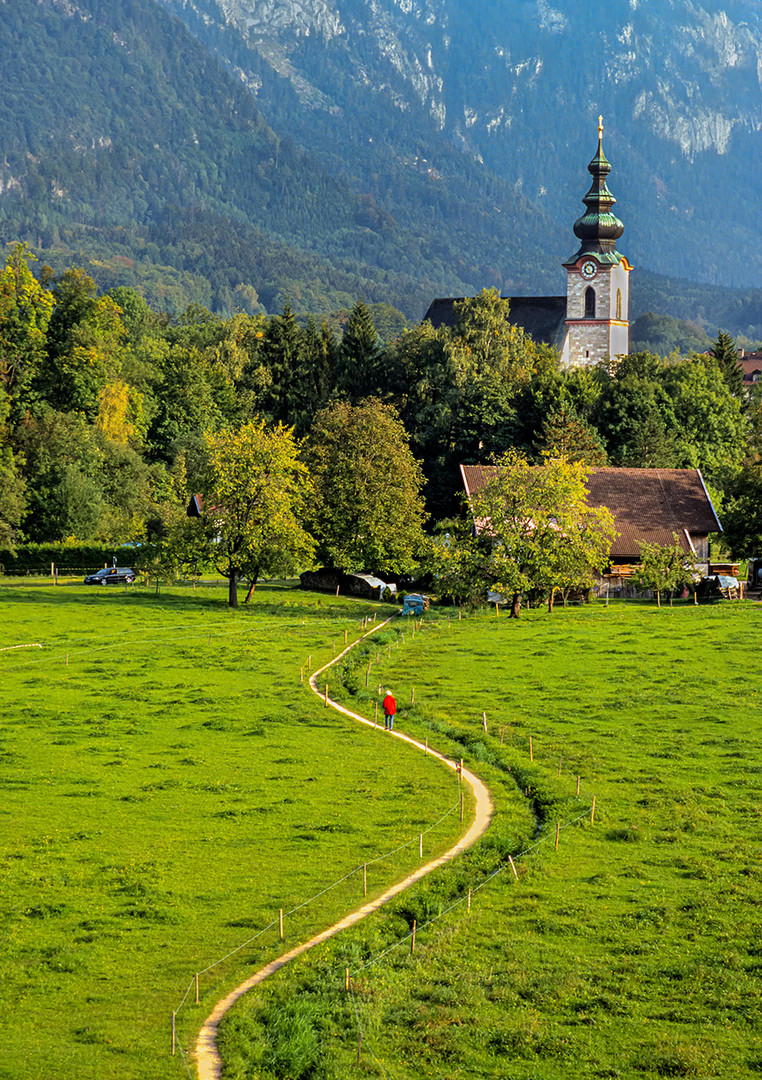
{"x":600,"y":127}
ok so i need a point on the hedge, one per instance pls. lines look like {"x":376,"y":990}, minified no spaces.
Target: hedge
{"x":36,"y":558}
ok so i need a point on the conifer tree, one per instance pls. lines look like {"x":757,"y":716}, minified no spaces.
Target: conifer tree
{"x":726,"y":354}
{"x":359,"y":353}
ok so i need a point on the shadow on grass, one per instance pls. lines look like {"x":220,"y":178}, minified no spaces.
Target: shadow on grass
{"x":274,"y":599}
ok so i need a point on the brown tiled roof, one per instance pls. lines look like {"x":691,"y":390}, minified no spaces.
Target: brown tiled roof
{"x":646,"y":504}
{"x":751,"y":365}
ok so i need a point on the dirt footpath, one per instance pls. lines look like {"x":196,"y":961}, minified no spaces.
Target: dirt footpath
{"x":207,"y":1058}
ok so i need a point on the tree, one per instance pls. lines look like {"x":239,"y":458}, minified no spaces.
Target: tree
{"x":664,"y":566}
{"x":359,"y":353}
{"x":742,"y":514}
{"x":25,"y":311}
{"x":367,"y":512}
{"x":536,"y":530}
{"x":255,"y":494}
{"x":565,"y":434}
{"x":725,"y":353}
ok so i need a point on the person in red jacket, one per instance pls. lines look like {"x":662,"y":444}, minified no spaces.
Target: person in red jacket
{"x":390,"y":708}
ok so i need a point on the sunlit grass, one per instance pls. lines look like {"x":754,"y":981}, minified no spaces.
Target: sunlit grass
{"x":634,"y":950}
{"x":168,"y":784}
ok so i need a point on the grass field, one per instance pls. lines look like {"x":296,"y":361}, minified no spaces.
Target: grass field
{"x":168,"y":784}
{"x":634,"y":951}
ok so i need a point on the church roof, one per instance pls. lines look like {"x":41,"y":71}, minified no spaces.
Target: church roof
{"x":646,"y":504}
{"x":542,"y":317}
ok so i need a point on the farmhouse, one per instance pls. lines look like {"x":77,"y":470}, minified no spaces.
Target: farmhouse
{"x":591,"y":323}
{"x":651,"y":505}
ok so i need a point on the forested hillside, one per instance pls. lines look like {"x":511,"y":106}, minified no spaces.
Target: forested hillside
{"x":233,"y":181}
{"x":107,"y":407}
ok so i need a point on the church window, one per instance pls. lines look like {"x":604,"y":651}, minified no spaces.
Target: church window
{"x":619,"y":303}
{"x":589,"y":302}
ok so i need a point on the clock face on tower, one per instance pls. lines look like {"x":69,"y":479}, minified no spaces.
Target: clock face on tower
{"x":589,"y":269}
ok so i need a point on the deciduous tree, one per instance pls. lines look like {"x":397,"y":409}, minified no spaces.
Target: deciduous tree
{"x":367,"y":512}
{"x":535,"y":529}
{"x":254,"y":499}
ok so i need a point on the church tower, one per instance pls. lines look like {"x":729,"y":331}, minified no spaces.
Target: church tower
{"x":597,"y":283}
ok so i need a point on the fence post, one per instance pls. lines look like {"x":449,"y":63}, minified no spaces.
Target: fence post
{"x":280,"y":923}
{"x":484,"y":722}
{"x":345,"y":637}
{"x":346,"y":979}
{"x":426,"y":747}
{"x":420,"y":846}
{"x":513,"y":867}
{"x":173,"y":1034}
{"x":592,"y":812}
{"x":558,"y":830}
{"x":469,"y":900}
{"x":412,"y":696}
{"x":412,"y":939}
{"x":326,"y":695}
{"x":579,"y":778}
{"x":531,"y":749}
{"x":197,"y":988}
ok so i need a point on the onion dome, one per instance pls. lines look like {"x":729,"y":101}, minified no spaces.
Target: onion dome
{"x":598,"y":229}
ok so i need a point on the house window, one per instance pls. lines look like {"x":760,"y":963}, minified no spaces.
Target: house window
{"x":619,"y":303}
{"x":590,"y":302}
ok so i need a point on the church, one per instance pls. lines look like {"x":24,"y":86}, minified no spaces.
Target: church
{"x":591,"y":323}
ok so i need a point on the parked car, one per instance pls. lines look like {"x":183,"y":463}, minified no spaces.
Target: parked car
{"x":111,"y":575}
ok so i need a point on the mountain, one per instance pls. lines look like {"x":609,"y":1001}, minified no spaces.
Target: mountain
{"x":237,"y":153}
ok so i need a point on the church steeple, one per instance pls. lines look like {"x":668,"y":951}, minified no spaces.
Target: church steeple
{"x":598,"y":229}
{"x":597,"y":276}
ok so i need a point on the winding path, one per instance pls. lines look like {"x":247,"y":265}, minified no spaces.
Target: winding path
{"x":208,"y":1062}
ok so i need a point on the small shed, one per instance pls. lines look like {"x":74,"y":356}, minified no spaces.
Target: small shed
{"x":331,"y":580}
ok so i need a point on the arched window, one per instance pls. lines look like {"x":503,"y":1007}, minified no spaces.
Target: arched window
{"x":590,"y":302}
{"x":619,"y":303}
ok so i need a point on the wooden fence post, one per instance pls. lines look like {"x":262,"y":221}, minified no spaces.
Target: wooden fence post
{"x":412,"y":939}
{"x":426,"y":747}
{"x":280,"y":923}
{"x":326,"y":695}
{"x":484,"y":722}
{"x":173,"y":1034}
{"x":365,"y":879}
{"x":469,"y":900}
{"x":420,"y":846}
{"x":346,"y":979}
{"x":197,"y":988}
{"x":531,"y":749}
{"x":345,"y":637}
{"x":513,"y":867}
{"x":579,"y":779}
{"x":592,"y":812}
{"x":558,"y":830}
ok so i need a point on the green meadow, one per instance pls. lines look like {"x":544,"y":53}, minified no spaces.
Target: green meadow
{"x":634,"y":949}
{"x":168,"y":784}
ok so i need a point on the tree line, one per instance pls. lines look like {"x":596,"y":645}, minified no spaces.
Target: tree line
{"x":110,"y":411}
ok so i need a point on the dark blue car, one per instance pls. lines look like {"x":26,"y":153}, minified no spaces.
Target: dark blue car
{"x":111,"y":575}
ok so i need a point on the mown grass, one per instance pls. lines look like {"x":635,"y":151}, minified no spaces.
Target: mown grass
{"x":634,"y":951}
{"x":167,"y":785}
